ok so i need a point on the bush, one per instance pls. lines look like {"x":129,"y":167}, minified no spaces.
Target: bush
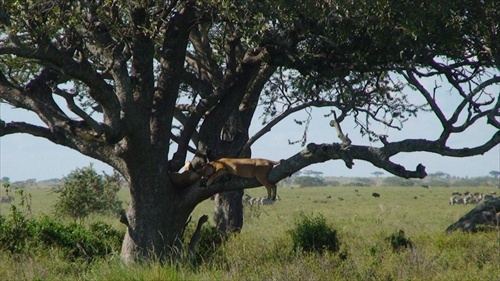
{"x":314,"y":235}
{"x":85,"y":192}
{"x":399,"y":241}
{"x":209,"y":248}
{"x":22,"y":235}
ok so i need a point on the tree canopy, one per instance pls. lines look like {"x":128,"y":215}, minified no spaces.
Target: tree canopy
{"x":137,"y":76}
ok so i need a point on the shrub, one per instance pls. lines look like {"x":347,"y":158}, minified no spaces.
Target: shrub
{"x":312,"y":234}
{"x":22,"y":235}
{"x":209,"y":247}
{"x":399,"y":241}
{"x":85,"y":192}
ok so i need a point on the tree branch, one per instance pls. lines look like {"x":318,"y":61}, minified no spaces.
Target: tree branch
{"x":25,"y":128}
{"x":319,"y":153}
{"x":78,"y":111}
{"x":282,"y":116}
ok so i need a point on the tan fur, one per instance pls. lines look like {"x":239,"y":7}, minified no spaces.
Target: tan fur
{"x":184,"y":179}
{"x":242,"y":167}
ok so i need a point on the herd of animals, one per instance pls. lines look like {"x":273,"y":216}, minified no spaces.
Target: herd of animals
{"x":469,"y":198}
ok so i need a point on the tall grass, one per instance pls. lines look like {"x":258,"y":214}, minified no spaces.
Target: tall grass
{"x":264,"y":249}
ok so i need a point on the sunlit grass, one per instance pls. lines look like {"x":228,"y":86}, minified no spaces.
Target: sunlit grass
{"x":263,"y":250}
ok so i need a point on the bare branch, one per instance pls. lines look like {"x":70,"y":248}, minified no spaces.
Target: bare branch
{"x":282,"y":116}
{"x":428,"y":97}
{"x":78,"y":111}
{"x":25,"y":128}
{"x":346,"y":142}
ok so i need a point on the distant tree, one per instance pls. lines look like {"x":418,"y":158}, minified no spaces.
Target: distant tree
{"x":439,"y":174}
{"x":31,"y":181}
{"x":309,"y":181}
{"x":495,"y":174}
{"x":5,"y":179}
{"x":397,"y":181}
{"x":312,"y":173}
{"x":85,"y":192}
{"x":377,"y":173}
{"x":361,"y":182}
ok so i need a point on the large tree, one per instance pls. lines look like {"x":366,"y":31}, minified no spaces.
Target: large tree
{"x":137,"y":76}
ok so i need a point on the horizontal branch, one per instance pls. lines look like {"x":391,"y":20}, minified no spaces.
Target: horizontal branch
{"x":319,"y":153}
{"x":25,"y":128}
{"x":422,"y":145}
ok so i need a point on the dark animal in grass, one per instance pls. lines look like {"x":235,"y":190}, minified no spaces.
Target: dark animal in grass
{"x":375,"y":194}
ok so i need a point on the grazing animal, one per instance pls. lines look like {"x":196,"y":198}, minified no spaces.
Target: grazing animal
{"x":456,"y":193}
{"x":242,"y":167}
{"x":455,"y":199}
{"x":259,"y":200}
{"x":478,"y":197}
{"x":375,"y":194}
{"x":425,"y":186}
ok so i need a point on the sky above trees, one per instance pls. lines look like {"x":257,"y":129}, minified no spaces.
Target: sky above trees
{"x":25,"y":157}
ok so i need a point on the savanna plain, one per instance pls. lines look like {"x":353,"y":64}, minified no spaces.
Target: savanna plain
{"x":263,"y":250}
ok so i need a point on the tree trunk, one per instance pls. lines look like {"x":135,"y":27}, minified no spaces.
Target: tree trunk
{"x":228,"y":214}
{"x":155,"y":220}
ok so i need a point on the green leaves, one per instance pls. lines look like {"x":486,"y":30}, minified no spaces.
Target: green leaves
{"x":84,"y":192}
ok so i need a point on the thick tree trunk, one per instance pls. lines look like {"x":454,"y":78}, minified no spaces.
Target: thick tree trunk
{"x":228,"y":214}
{"x":155,"y":220}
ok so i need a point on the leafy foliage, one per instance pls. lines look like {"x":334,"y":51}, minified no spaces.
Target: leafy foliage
{"x":313,"y":234}
{"x":84,"y":192}
{"x":399,"y":241}
{"x":20,"y":234}
{"x":209,"y":248}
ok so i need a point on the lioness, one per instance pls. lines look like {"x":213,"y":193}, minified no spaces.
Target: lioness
{"x":242,"y":167}
{"x":184,"y":179}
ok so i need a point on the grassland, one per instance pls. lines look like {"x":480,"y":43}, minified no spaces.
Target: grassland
{"x":263,"y":250}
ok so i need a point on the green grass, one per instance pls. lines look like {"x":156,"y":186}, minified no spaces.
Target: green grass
{"x":263,"y":250}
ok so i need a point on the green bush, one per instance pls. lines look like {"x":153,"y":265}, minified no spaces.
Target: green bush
{"x":16,"y":232}
{"x":209,"y":248}
{"x":312,"y":234}
{"x":22,"y":235}
{"x":399,"y":241}
{"x":85,"y":192}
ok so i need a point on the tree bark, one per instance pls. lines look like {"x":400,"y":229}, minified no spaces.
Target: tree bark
{"x":228,"y":214}
{"x":484,"y":216}
{"x":156,"y":216}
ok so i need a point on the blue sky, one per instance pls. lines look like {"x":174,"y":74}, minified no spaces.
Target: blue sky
{"x":26,"y":157}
